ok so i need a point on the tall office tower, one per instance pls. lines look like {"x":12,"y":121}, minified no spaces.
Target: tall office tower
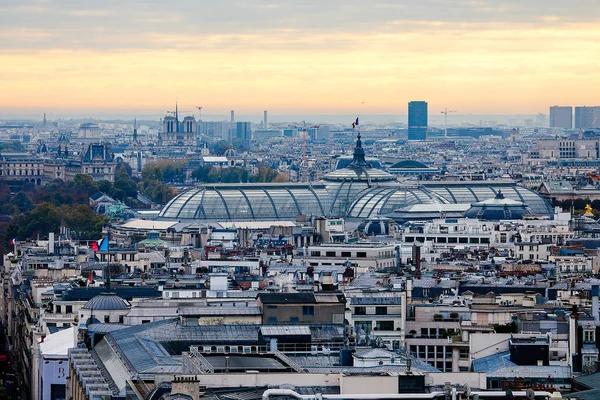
{"x":417,"y":120}
{"x":232,"y":116}
{"x":45,"y":120}
{"x":561,"y":117}
{"x":243,"y":131}
{"x":265,"y":126}
{"x":587,"y":117}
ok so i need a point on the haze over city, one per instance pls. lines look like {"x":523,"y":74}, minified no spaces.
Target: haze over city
{"x":326,"y":57}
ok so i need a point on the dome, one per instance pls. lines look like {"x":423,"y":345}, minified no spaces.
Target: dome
{"x":384,"y":200}
{"x":498,"y":208}
{"x":359,"y":169}
{"x":374,"y":227}
{"x":409,"y":164}
{"x":107,"y":301}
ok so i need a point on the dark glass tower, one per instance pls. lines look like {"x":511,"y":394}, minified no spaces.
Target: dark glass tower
{"x":417,"y":120}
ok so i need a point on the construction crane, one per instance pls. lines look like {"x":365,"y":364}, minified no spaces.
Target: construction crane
{"x":445,"y":112}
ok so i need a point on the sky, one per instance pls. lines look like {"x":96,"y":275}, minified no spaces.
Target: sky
{"x":297,"y":56}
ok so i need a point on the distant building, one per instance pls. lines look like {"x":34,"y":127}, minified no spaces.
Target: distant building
{"x":99,"y":162}
{"x":561,"y":117}
{"x":587,"y":117}
{"x":180,"y":133}
{"x":242,"y":130}
{"x":417,"y":120}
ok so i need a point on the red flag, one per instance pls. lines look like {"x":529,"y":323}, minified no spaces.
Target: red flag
{"x":91,"y":277}
{"x":95,"y":247}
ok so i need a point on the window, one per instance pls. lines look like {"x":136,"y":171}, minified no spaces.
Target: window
{"x":381,"y":310}
{"x":463,"y":240}
{"x":315,"y":254}
{"x":272,"y":320}
{"x":69,"y":309}
{"x":293,"y":320}
{"x":121,"y":317}
{"x":58,"y":309}
{"x":346,"y":254}
{"x":106,"y":319}
{"x":330,"y":253}
{"x":384,"y":325}
{"x":588,"y":336}
{"x":272,"y":307}
{"x":361,"y":254}
{"x":452,"y":240}
{"x":308,"y":311}
{"x":360,"y":310}
{"x":463,"y":353}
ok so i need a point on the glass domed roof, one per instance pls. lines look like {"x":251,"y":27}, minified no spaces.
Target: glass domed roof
{"x":359,"y":169}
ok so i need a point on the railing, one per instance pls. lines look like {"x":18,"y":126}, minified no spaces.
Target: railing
{"x":195,"y":363}
{"x":286,"y":360}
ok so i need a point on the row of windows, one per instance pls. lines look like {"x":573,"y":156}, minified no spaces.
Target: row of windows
{"x":23,"y":172}
{"x":367,"y":326}
{"x":363,"y":311}
{"x":472,"y":240}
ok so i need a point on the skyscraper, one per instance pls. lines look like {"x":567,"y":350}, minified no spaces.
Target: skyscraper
{"x":265,"y":126}
{"x":417,"y":120}
{"x":243,"y":131}
{"x":587,"y":117}
{"x":561,"y":117}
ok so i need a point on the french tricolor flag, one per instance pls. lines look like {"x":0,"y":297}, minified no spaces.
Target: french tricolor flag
{"x":13,"y":241}
{"x":100,"y":245}
{"x":355,"y":123}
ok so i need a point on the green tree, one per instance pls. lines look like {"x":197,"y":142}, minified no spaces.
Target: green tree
{"x":22,"y":202}
{"x":83,"y":221}
{"x":42,"y":220}
{"x":85,"y":183}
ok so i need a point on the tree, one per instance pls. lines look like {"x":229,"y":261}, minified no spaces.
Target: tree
{"x":85,"y":183}
{"x":22,"y":202}
{"x":42,"y":220}
{"x":83,"y":221}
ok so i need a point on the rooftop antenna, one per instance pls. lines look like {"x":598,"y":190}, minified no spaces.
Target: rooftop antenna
{"x":445,"y":112}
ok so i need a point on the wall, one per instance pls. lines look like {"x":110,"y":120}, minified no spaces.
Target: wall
{"x":484,"y":344}
{"x":56,"y":372}
{"x":368,"y":384}
{"x":254,"y":380}
{"x":473,"y":379}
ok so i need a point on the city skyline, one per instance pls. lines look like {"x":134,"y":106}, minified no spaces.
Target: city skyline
{"x":474,"y":56}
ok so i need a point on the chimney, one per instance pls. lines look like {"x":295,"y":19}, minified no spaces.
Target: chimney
{"x":226,"y":363}
{"x":189,"y":385}
{"x":595,"y":309}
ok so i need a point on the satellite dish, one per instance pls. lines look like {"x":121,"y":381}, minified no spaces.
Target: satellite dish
{"x":530,"y":394}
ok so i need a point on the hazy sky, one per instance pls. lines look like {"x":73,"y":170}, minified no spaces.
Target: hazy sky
{"x":298,"y":56}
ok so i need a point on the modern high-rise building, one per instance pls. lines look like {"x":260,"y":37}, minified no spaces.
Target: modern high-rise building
{"x":587,"y":117}
{"x":243,"y":131}
{"x":561,"y":117}
{"x":265,"y":126}
{"x":417,"y":120}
